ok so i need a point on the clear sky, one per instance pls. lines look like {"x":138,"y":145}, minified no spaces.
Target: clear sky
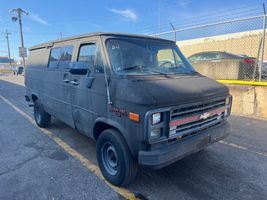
{"x":48,"y":19}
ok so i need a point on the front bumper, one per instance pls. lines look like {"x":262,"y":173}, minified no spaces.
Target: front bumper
{"x":168,"y":154}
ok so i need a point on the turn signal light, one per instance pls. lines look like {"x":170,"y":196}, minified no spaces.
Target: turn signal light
{"x":134,"y":117}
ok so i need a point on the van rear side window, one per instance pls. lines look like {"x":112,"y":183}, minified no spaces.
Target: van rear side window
{"x":60,"y":57}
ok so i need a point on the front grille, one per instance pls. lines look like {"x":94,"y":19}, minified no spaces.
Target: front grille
{"x":188,"y":119}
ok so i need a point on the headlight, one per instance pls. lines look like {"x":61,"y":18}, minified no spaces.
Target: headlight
{"x":156,"y":118}
{"x":155,"y":133}
{"x":156,"y":128}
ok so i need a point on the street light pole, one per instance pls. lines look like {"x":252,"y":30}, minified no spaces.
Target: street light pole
{"x":19,"y":12}
{"x":8,"y":48}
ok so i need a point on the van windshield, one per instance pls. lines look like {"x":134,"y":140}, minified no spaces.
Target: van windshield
{"x":144,"y":56}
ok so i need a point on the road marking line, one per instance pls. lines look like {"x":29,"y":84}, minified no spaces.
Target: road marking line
{"x":242,"y":148}
{"x":85,"y":162}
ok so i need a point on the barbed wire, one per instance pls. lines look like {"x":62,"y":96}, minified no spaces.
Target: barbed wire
{"x":213,"y":16}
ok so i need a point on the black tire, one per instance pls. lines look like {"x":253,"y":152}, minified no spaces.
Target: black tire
{"x":121,"y":170}
{"x":42,"y":118}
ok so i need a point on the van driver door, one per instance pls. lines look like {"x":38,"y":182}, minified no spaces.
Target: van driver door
{"x":84,"y":87}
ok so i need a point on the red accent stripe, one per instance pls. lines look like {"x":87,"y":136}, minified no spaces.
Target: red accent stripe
{"x":195,"y":118}
{"x":217,"y":111}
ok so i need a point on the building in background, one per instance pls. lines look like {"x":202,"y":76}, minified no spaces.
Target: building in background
{"x":5,"y":62}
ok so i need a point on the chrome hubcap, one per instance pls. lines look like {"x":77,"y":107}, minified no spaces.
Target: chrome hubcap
{"x":109,"y":158}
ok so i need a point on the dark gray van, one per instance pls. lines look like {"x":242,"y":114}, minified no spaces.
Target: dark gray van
{"x":137,"y":96}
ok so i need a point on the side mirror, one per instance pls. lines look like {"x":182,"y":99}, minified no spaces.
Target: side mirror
{"x":78,"y":68}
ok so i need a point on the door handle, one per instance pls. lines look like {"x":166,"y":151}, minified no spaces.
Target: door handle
{"x":66,"y":78}
{"x":74,"y":82}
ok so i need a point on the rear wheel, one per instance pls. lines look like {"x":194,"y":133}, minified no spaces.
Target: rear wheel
{"x":115,"y":160}
{"x":42,"y":118}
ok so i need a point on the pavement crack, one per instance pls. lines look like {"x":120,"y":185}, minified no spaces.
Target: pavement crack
{"x":18,"y":166}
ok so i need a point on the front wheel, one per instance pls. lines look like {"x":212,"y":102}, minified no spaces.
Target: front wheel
{"x":42,"y":118}
{"x":115,"y":160}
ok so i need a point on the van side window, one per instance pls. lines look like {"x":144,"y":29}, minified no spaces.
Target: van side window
{"x":91,"y":55}
{"x":54,"y":58}
{"x":65,"y":57}
{"x":60,"y":57}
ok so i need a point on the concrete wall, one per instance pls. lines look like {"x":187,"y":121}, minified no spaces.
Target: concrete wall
{"x":238,"y":43}
{"x":218,"y":69}
{"x":250,"y":101}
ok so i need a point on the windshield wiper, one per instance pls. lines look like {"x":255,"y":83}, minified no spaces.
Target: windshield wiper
{"x":142,"y":67}
{"x":134,"y":67}
{"x":159,"y":72}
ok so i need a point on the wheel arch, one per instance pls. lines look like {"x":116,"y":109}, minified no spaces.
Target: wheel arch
{"x":102,"y":124}
{"x":34,"y":97}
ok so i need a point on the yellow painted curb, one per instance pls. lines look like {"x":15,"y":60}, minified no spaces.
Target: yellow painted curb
{"x":85,"y":162}
{"x":243,"y":82}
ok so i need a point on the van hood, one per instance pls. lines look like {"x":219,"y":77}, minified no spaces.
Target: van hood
{"x":163,"y":91}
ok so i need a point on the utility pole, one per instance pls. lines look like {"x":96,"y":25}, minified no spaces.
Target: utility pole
{"x":8,"y":48}
{"x":22,"y":49}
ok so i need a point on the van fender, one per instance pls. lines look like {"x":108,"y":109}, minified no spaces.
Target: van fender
{"x":112,"y":124}
{"x":40,"y":98}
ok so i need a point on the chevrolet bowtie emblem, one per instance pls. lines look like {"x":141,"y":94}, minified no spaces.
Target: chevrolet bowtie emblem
{"x":204,"y":116}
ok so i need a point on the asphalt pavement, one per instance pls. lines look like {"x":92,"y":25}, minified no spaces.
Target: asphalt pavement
{"x":60,"y":163}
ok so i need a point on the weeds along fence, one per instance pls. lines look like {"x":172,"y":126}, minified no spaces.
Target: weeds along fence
{"x":227,"y":50}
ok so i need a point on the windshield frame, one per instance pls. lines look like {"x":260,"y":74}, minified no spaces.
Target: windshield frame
{"x":160,"y":42}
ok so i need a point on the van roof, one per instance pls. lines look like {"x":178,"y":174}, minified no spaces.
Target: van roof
{"x":50,"y":43}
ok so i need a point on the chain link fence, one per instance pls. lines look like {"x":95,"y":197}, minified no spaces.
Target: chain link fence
{"x":226,"y":50}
